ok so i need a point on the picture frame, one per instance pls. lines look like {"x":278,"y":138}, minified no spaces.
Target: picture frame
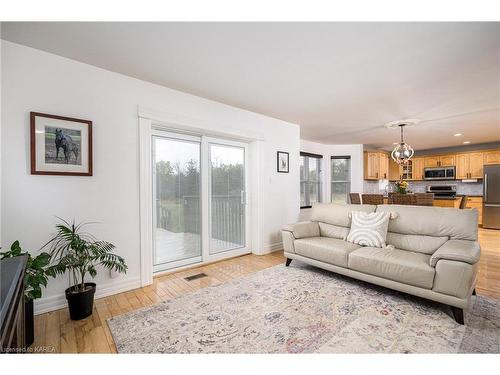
{"x":283,"y":162}
{"x":60,"y":145}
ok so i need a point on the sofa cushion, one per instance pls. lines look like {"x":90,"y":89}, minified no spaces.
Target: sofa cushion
{"x":433,"y":221}
{"x":369,"y":228}
{"x":325,"y":249}
{"x":415,"y":242}
{"x":337,"y":214}
{"x":333,"y":231}
{"x":394,"y":264}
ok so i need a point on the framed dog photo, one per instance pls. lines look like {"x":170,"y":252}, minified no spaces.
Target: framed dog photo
{"x":283,"y":160}
{"x":60,"y":145}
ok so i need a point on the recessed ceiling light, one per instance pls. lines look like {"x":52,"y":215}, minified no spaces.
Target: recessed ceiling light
{"x":457,"y":135}
{"x":395,"y":143}
{"x":466,"y":142}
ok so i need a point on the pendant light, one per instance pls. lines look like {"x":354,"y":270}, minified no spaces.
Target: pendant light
{"x":403,"y":152}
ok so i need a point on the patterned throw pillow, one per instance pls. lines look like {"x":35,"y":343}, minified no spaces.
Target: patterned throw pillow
{"x":369,"y":229}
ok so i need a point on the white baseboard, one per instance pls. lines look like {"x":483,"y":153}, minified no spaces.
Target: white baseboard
{"x":57,"y":302}
{"x":270,"y":248}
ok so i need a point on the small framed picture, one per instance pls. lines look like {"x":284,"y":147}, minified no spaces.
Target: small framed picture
{"x":283,"y":160}
{"x":60,"y":145}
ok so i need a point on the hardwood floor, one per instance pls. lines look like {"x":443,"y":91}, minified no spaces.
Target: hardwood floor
{"x":57,"y":333}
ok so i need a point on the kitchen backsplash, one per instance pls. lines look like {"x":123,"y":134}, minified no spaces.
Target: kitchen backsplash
{"x":463,"y":188}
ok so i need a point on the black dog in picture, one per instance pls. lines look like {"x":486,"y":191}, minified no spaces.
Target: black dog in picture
{"x":66,"y":143}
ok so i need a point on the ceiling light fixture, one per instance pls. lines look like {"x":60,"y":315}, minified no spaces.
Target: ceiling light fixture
{"x":403,"y":152}
{"x":466,"y":142}
{"x":457,"y":135}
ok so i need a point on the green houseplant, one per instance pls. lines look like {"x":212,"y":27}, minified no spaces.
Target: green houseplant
{"x":35,"y":277}
{"x":74,"y":251}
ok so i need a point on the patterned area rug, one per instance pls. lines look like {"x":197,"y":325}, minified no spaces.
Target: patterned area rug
{"x":302,"y":309}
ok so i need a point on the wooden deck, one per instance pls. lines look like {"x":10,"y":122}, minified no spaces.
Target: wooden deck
{"x":172,"y":246}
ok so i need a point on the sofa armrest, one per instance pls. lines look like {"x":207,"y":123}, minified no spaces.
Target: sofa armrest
{"x":458,"y":250}
{"x":303,"y":229}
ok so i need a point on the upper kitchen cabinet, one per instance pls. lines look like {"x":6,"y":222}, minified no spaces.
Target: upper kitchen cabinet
{"x":431,"y":161}
{"x":376,"y":165}
{"x":384,"y":166}
{"x":446,"y":160}
{"x":418,"y":168}
{"x":439,"y":161}
{"x":491,"y":157}
{"x":469,"y":165}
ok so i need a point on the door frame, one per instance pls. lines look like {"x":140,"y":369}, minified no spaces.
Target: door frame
{"x":155,"y":133}
{"x":207,"y":257}
{"x":150,"y":120}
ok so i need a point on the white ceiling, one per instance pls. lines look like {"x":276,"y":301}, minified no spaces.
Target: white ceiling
{"x":340,"y":81}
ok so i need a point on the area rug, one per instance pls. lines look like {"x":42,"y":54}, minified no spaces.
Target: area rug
{"x":302,"y":309}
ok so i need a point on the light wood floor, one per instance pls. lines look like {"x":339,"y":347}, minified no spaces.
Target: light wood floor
{"x":55,"y":331}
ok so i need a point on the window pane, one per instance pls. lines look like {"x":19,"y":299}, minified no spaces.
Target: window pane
{"x":313,"y":170}
{"x":310,"y":180}
{"x":313,"y":193}
{"x":341,"y":179}
{"x":177,"y":183}
{"x":227,"y":176}
{"x":340,"y":169}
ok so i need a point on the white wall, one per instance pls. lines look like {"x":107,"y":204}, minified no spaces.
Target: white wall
{"x":38,"y":81}
{"x":354,"y":151}
{"x":0,"y":132}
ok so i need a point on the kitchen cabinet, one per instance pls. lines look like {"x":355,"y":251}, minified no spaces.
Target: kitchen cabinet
{"x":477,"y":203}
{"x":384,"y":166}
{"x":417,"y":169}
{"x":447,"y":160}
{"x":491,"y":157}
{"x":394,"y":172}
{"x":439,"y":161}
{"x":453,"y":203}
{"x":476,"y":165}
{"x":414,"y":170}
{"x":376,"y":165}
{"x":462,"y":171}
{"x":431,"y":161}
{"x":469,"y":165}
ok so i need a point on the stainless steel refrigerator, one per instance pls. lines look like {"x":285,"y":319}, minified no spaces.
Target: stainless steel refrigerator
{"x":491,"y":196}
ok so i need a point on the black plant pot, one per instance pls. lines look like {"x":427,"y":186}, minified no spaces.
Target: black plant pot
{"x":29,"y":323}
{"x":81,"y":303}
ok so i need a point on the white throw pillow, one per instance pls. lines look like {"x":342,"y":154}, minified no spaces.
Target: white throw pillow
{"x":369,"y":229}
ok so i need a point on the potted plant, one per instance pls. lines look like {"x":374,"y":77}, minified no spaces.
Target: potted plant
{"x":401,"y":186}
{"x":79,"y":253}
{"x":34,"y":277}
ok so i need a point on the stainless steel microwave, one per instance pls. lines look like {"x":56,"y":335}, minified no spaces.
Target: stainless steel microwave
{"x":439,"y":173}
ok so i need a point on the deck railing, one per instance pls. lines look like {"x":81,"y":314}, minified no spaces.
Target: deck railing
{"x":227,"y":217}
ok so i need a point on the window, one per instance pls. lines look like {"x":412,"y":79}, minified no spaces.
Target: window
{"x":310,"y":179}
{"x":341,"y":178}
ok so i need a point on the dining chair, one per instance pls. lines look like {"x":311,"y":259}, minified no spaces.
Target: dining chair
{"x":372,"y":198}
{"x":354,"y":198}
{"x":463,"y":202}
{"x":405,"y":199}
{"x":424,"y":199}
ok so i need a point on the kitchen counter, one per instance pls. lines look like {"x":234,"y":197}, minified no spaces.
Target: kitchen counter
{"x":447,"y":202}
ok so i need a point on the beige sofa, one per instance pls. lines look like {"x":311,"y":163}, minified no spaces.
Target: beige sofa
{"x":435,"y":252}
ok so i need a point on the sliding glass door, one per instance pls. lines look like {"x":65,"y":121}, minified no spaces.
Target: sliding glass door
{"x":200,"y":198}
{"x":227,"y":197}
{"x":177,"y":208}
